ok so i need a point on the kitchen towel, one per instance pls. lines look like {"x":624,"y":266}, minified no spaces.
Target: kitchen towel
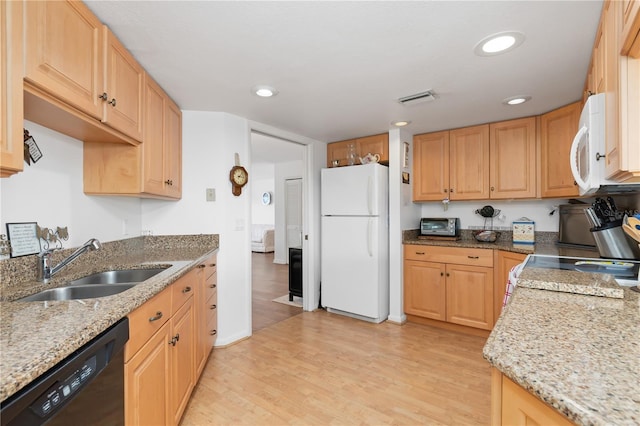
{"x":512,"y":281}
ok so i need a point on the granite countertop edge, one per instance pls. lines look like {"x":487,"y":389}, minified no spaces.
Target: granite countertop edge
{"x":35,"y":336}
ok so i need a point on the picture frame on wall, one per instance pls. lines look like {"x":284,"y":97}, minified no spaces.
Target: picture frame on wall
{"x":405,"y":156}
{"x":23,"y":238}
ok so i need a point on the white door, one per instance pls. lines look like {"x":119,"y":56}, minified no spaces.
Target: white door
{"x":350,"y":264}
{"x":293,"y":212}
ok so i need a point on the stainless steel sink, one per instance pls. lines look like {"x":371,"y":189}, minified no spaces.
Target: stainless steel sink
{"x":72,"y":292}
{"x":119,"y":276}
{"x":92,"y":286}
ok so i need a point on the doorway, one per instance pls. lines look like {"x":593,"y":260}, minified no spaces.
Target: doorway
{"x":277,"y":169}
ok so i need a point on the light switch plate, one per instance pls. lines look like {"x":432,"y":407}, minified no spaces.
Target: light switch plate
{"x":211,"y":194}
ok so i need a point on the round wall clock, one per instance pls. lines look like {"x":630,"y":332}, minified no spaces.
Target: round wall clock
{"x":266,"y":198}
{"x":239,"y":178}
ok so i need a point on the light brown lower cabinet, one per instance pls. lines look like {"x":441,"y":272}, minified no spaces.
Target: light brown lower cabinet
{"x":512,"y":405}
{"x":167,"y":350}
{"x":449,"y":284}
{"x":206,"y":314}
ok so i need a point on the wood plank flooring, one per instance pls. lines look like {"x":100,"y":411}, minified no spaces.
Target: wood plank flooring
{"x":268,"y":281}
{"x":318,"y":368}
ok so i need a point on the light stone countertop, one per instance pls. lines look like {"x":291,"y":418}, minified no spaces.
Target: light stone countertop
{"x":578,"y":353}
{"x":35,"y":336}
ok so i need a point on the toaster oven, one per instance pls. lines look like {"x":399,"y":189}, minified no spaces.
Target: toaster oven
{"x":440,"y":227}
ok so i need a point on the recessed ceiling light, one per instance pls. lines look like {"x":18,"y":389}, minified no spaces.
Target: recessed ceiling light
{"x":499,"y":43}
{"x":400,"y":123}
{"x":264,"y":91}
{"x":516,"y":100}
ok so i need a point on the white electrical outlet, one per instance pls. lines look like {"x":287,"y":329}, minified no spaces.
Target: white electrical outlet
{"x":211,"y":194}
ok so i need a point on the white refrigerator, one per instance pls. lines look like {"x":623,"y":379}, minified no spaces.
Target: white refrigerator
{"x":355,"y":241}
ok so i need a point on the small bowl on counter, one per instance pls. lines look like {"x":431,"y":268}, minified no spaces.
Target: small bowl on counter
{"x":486,"y":236}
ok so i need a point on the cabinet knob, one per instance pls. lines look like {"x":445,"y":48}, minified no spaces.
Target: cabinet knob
{"x":492,"y":188}
{"x":104,"y":96}
{"x":213,"y":332}
{"x":212,"y":264}
{"x":169,"y":182}
{"x":201,"y":266}
{"x":448,"y":274}
{"x":442,"y":274}
{"x":112,"y":102}
{"x":174,"y":340}
{"x":186,"y":289}
{"x":451,"y":190}
{"x":212,"y":286}
{"x":575,"y":183}
{"x":446,"y":190}
{"x":156,"y":317}
{"x":212,"y":307}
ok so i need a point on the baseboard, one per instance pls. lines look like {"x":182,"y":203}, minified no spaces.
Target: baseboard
{"x":229,"y":341}
{"x":397,"y":320}
{"x":448,"y":326}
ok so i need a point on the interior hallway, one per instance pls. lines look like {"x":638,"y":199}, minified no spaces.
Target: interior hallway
{"x":269,"y":280}
{"x":318,"y":368}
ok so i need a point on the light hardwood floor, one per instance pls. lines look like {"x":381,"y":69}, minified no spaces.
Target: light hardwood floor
{"x":268,"y":281}
{"x":318,"y":368}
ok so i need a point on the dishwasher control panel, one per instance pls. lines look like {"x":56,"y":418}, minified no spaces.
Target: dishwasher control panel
{"x":64,"y":390}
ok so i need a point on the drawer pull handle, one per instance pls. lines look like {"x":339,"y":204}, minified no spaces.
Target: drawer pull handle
{"x":212,"y":307}
{"x":213,"y":332}
{"x":213,"y":286}
{"x":200,"y":266}
{"x":473,"y":257}
{"x":212,"y":264}
{"x":420,"y":252}
{"x":186,"y":289}
{"x":156,"y":317}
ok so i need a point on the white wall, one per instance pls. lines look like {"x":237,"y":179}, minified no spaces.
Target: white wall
{"x":261,"y":179}
{"x":283,"y":171}
{"x":403,"y":214}
{"x":50,"y":192}
{"x":209,"y":141}
{"x":536,"y":210}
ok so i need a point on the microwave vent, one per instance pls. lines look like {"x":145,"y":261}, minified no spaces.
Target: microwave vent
{"x":418,"y":98}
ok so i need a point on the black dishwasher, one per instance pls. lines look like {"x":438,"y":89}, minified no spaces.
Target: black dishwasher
{"x":86,"y":388}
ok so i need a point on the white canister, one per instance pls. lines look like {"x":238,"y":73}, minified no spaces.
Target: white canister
{"x":523,"y":231}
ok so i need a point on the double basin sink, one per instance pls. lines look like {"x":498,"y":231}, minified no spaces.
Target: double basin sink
{"x":101,"y":284}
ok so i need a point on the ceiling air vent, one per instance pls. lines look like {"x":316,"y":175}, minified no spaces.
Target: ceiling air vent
{"x":418,"y":98}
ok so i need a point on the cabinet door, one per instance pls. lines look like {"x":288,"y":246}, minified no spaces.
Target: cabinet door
{"x":610,"y":28}
{"x":512,"y":154}
{"x":470,"y":296}
{"x":64,"y":53}
{"x":146,"y":389}
{"x":631,"y":28}
{"x":154,"y":125}
{"x":519,"y":407}
{"x":376,"y":144}
{"x":182,"y":359}
{"x":173,"y":150}
{"x":424,"y":289}
{"x":504,"y":261}
{"x":557,"y":129}
{"x":431,"y":166}
{"x":337,"y":151}
{"x":124,"y":87}
{"x":11,"y":99}
{"x":469,"y":163}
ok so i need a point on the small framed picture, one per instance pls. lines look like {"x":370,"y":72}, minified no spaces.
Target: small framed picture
{"x":405,"y":157}
{"x":23,"y":238}
{"x":405,"y":177}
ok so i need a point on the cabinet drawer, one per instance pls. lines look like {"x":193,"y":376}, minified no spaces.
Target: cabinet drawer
{"x":210,"y":286}
{"x":146,"y":320}
{"x":182,"y":290}
{"x":455,"y":255}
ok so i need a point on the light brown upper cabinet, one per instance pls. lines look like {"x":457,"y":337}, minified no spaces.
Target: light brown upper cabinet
{"x":557,"y":130}
{"x":11,"y":135}
{"x":631,"y":28}
{"x":73,"y":62}
{"x":431,"y":166}
{"x":452,"y":164}
{"x":469,"y":163}
{"x":512,"y":156}
{"x":152,"y":169}
{"x":375,"y":144}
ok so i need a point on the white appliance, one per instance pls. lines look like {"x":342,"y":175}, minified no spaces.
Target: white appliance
{"x":355,"y":241}
{"x":588,"y":150}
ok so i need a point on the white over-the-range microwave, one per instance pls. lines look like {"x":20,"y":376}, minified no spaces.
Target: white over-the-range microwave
{"x":588,"y":151}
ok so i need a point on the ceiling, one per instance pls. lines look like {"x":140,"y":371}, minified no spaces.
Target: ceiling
{"x":340,"y":66}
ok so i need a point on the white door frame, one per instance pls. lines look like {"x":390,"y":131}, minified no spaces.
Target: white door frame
{"x":314,"y":158}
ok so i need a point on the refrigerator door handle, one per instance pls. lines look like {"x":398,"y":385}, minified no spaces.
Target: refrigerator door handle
{"x":369,"y":236}
{"x":370,"y":195}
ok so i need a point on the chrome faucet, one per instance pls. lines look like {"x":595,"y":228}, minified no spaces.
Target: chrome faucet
{"x":46,"y":272}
